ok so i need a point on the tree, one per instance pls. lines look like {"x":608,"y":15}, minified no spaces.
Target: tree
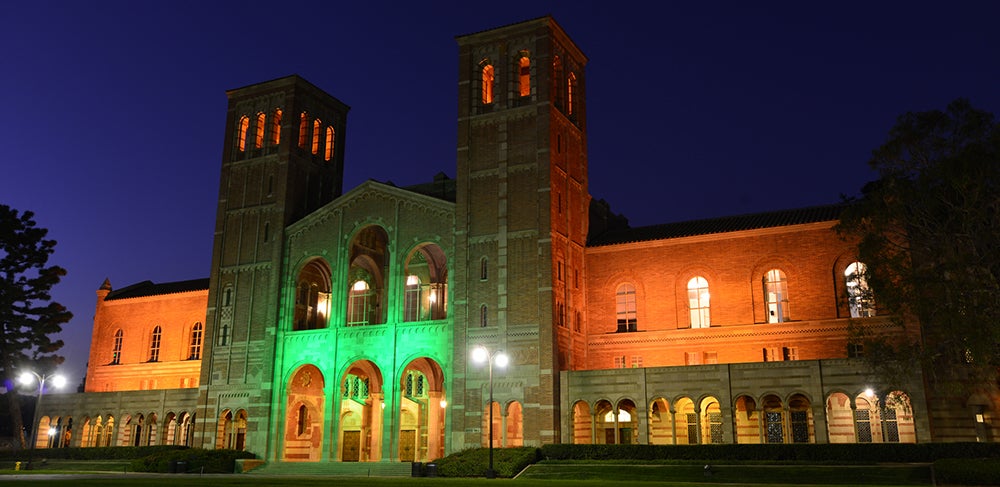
{"x":28,"y":316}
{"x":929,"y":234}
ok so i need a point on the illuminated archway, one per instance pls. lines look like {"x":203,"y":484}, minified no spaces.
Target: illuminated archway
{"x":304,"y":406}
{"x":685,"y":421}
{"x":422,"y":411}
{"x":712,"y":426}
{"x":582,"y":424}
{"x":661,"y":429}
{"x":360,"y":414}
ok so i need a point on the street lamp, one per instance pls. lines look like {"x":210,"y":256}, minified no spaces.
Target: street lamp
{"x":481,"y":354}
{"x":26,"y":378}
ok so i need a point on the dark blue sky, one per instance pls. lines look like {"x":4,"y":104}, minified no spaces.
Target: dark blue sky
{"x":113,"y":111}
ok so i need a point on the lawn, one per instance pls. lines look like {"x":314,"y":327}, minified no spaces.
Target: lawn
{"x":167,"y":480}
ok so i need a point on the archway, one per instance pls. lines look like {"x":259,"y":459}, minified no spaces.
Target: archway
{"x":747,"y":419}
{"x":839,"y":418}
{"x":800,"y":419}
{"x":304,"y":407}
{"x":661,"y":427}
{"x":513,"y":425}
{"x":712,"y":430}
{"x":582,"y":423}
{"x":685,"y":421}
{"x":774,"y":419}
{"x":422,"y":411}
{"x":360,"y":414}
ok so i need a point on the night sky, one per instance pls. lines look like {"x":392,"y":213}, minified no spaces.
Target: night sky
{"x":113,"y":112}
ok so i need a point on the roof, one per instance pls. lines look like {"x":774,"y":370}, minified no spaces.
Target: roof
{"x":724,"y":224}
{"x":150,"y":288}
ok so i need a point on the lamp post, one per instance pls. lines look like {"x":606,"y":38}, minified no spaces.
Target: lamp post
{"x":26,"y":378}
{"x":482,"y":354}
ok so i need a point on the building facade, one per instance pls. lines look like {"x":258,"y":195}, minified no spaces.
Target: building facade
{"x":337,"y":326}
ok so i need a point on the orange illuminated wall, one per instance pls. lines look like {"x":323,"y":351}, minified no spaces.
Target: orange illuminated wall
{"x":733,"y":259}
{"x":148,"y":336}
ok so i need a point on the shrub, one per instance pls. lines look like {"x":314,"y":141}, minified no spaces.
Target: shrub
{"x":191,"y":460}
{"x":507,"y":462}
{"x":93,"y":453}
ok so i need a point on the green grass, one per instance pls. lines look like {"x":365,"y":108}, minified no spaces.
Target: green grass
{"x":166,"y":480}
{"x":758,"y":474}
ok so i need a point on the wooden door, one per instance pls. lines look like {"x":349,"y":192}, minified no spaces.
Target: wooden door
{"x":352,"y":446}
{"x":407,"y":443}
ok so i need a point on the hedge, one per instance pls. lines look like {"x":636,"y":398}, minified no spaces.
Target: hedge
{"x":94,"y":453}
{"x":811,"y":453}
{"x":507,"y":462}
{"x":190,"y":460}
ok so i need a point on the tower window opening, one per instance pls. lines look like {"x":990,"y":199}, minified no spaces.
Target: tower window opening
{"x":258,"y":139}
{"x":328,"y":152}
{"x":488,"y":78}
{"x":276,"y":127}
{"x":244,"y":126}
{"x":303,"y":130}
{"x":315,"y":135}
{"x":524,"y":75}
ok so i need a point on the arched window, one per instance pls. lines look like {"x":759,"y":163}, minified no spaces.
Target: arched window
{"x":358,"y":308}
{"x":303,"y":422}
{"x":276,"y":127}
{"x":859,"y":295}
{"x":625,"y":308}
{"x":195,"y":348}
{"x":258,"y":140}
{"x":312,"y":298}
{"x":483,"y":269}
{"x":244,"y":127}
{"x":154,"y":344}
{"x":570,"y":86}
{"x":698,"y":302}
{"x":776,"y":296}
{"x":524,"y":75}
{"x":116,"y":349}
{"x":483,"y":321}
{"x":328,"y":152}
{"x":487,"y":81}
{"x":303,"y":130}
{"x":411,"y":301}
{"x":316,"y":133}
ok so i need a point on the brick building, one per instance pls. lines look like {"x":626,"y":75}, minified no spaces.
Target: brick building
{"x":338,"y":326}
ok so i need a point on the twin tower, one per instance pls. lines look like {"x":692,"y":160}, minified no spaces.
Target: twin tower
{"x":340,"y":325}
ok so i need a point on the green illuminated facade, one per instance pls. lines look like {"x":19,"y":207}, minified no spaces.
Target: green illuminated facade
{"x":341,"y":322}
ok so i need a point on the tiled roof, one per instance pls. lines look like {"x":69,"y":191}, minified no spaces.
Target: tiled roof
{"x":149,"y":288}
{"x":720,"y":225}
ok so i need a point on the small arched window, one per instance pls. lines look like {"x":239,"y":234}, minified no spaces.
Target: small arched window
{"x":276,"y":127}
{"x":625,"y":308}
{"x":859,"y":294}
{"x":698,"y":302}
{"x":776,"y":296}
{"x":484,"y":269}
{"x":328,"y":151}
{"x":317,"y":124}
{"x":487,"y":82}
{"x":258,"y":140}
{"x":244,"y":127}
{"x":303,"y":130}
{"x":195,"y":343}
{"x":524,"y":75}
{"x":154,"y":344}
{"x":483,"y":320}
{"x":303,"y":422}
{"x":116,"y":348}
{"x":411,"y":299}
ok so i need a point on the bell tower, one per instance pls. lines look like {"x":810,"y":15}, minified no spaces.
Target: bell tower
{"x":282,"y":158}
{"x":521,"y":226}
